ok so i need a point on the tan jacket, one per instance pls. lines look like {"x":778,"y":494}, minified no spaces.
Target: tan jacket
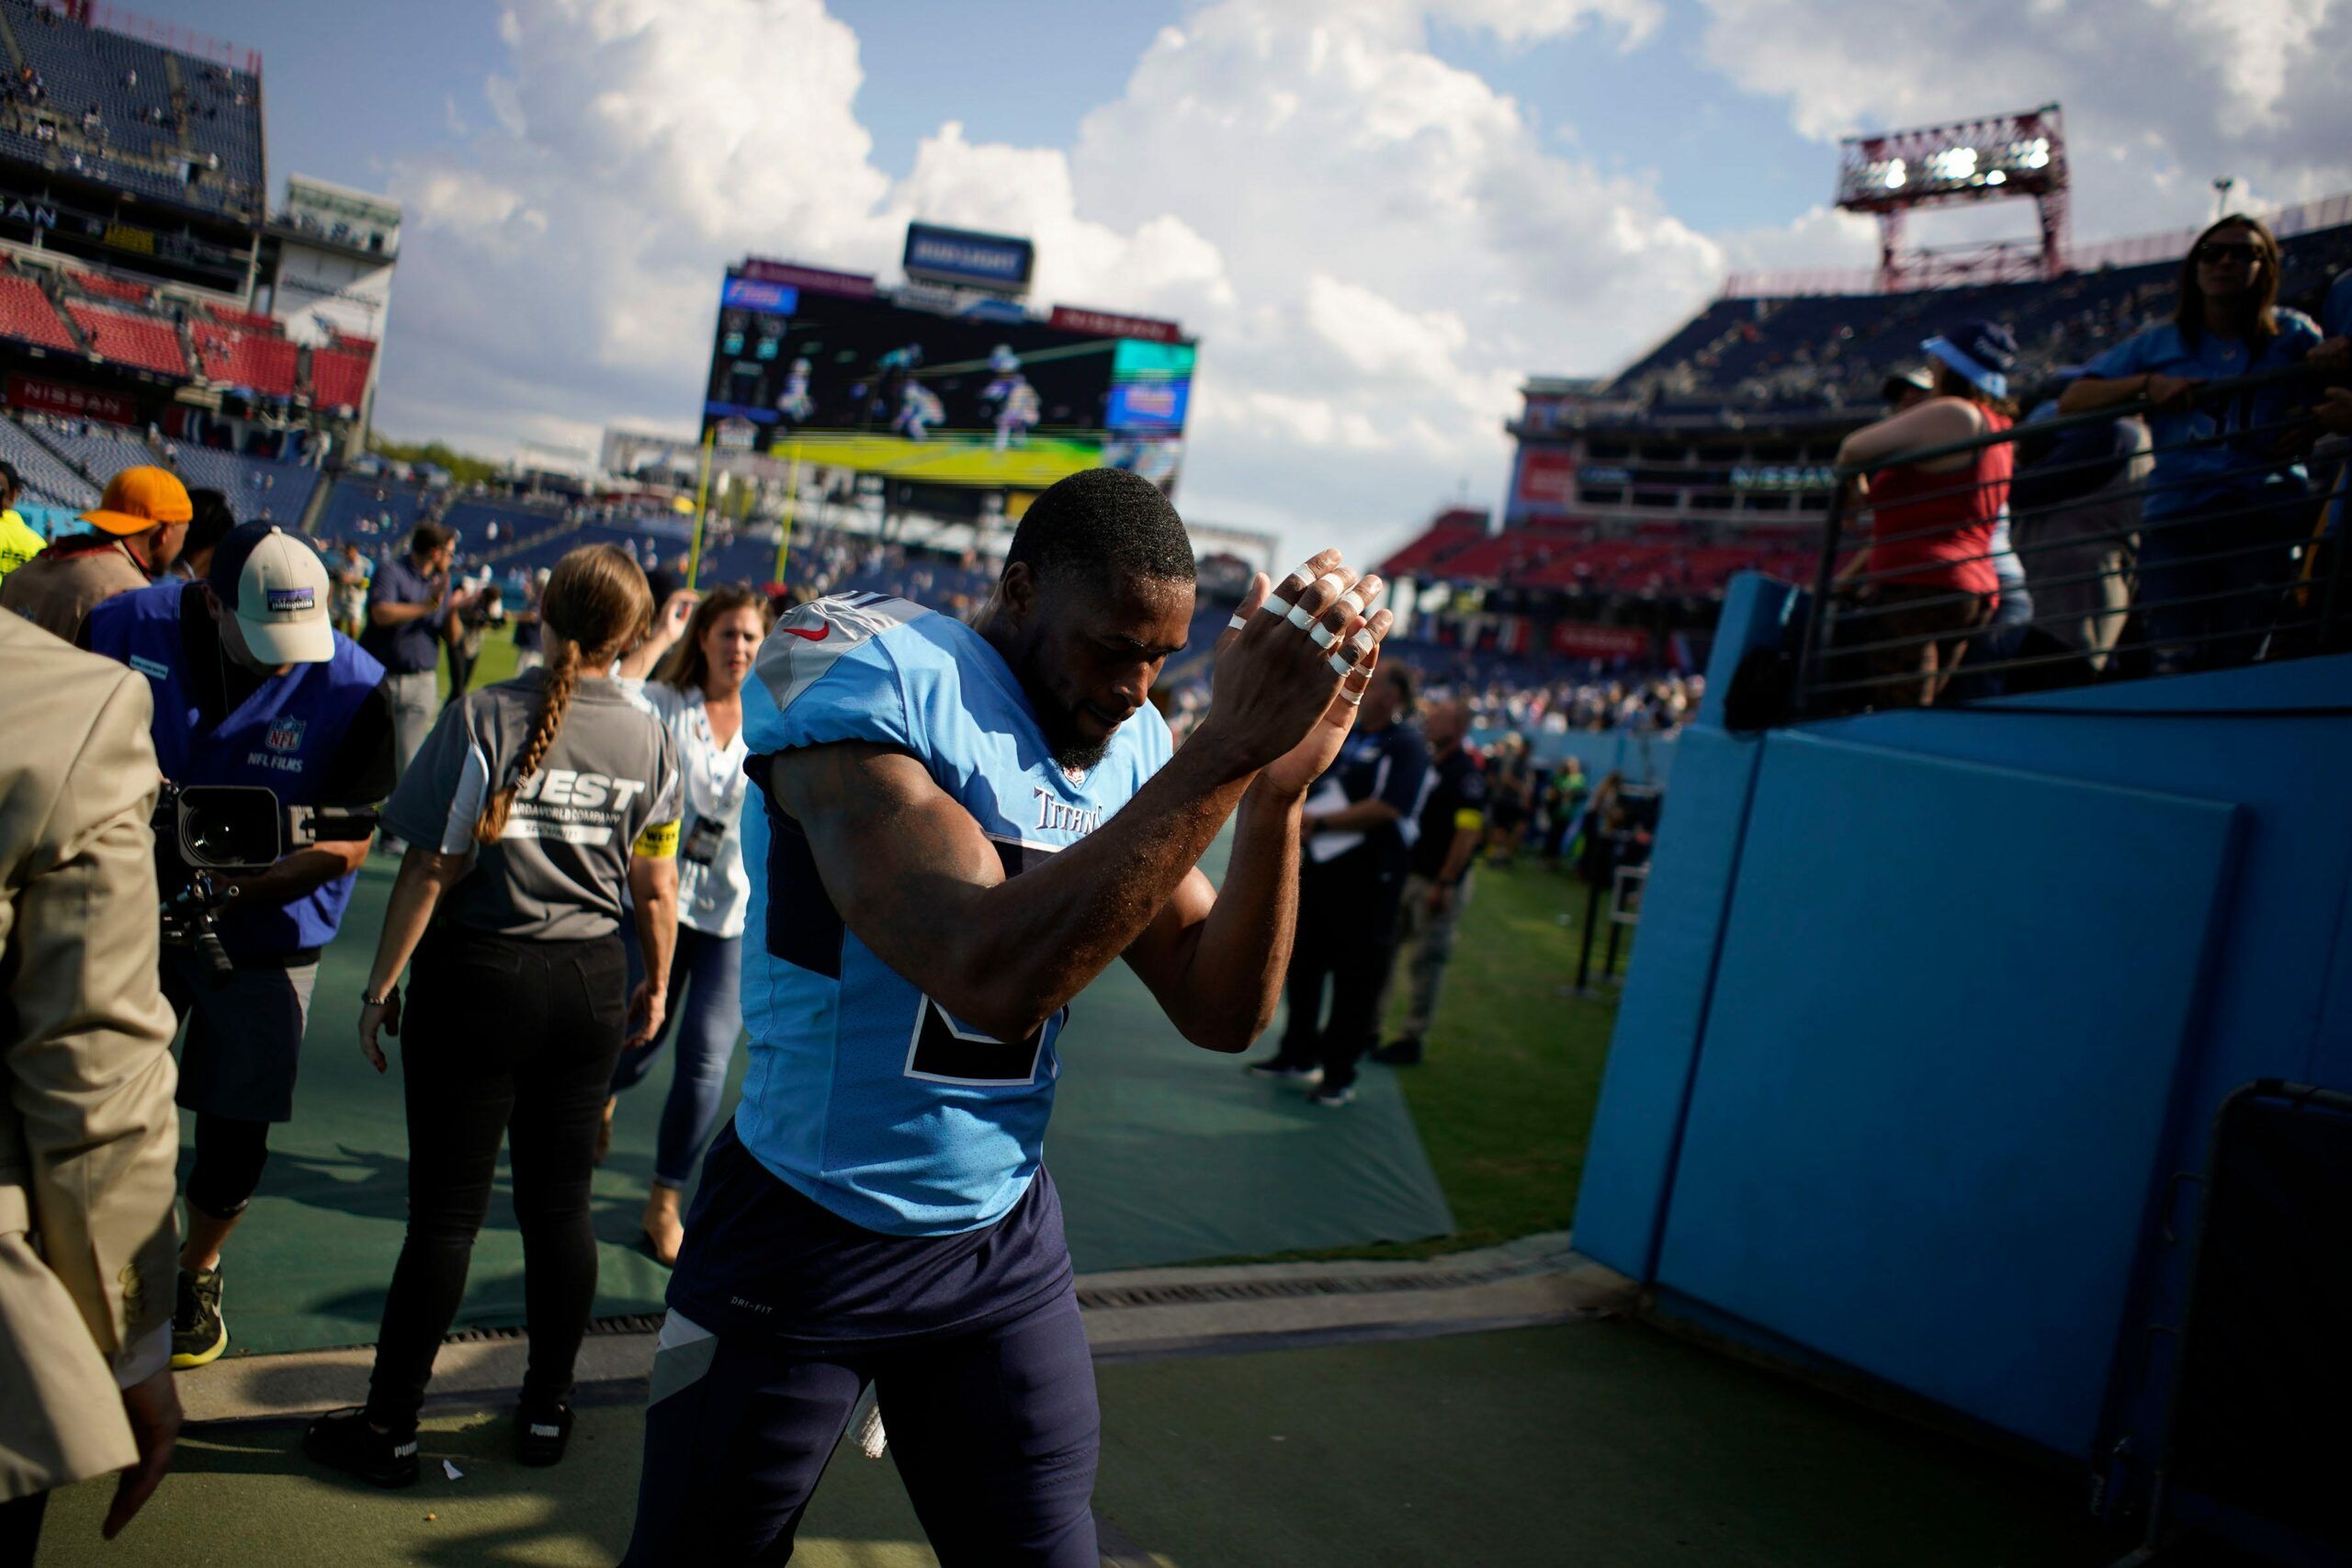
{"x":88,"y":1135}
{"x":57,"y":589}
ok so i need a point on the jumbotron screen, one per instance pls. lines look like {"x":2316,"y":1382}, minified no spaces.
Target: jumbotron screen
{"x":863,"y":382}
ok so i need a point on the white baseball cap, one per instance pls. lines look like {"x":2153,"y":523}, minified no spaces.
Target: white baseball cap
{"x":277,"y":587}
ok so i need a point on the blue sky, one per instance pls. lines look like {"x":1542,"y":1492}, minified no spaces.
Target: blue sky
{"x":1378,"y":215}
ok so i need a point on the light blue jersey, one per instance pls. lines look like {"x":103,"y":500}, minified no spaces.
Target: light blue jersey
{"x":863,"y":1094}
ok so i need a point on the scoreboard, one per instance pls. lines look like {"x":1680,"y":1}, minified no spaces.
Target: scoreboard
{"x":932,"y":386}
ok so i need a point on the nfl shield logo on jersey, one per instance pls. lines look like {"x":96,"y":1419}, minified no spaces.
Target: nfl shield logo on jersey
{"x":285,"y":735}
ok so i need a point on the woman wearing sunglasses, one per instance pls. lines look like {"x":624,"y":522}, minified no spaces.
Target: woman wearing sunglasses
{"x":2222,"y":511}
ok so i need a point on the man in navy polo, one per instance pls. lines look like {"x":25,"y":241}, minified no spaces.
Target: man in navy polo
{"x":407,"y":602}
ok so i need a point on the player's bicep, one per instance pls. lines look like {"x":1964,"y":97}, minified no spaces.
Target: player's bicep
{"x":1162,"y":953}
{"x":901,"y":861}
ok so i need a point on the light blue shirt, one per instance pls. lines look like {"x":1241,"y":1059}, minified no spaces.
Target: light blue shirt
{"x":863,"y":1093}
{"x":2199,"y":463}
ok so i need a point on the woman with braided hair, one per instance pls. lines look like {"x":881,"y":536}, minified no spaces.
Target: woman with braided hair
{"x":541,"y":812}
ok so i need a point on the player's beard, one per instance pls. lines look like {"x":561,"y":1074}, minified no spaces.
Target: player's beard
{"x":1073,"y":752}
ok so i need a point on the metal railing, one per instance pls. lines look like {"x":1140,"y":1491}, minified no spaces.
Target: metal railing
{"x":2246,"y":573}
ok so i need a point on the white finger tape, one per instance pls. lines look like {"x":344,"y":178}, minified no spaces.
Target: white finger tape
{"x":1303,"y":572}
{"x":1338,"y":584}
{"x":1276,"y":605}
{"x":1341,"y":664}
{"x":1353,"y":699}
{"x":1300,"y":617}
{"x":1354,"y":603}
{"x":1234,"y":622}
{"x":1360,"y":645}
{"x":1323,"y":636}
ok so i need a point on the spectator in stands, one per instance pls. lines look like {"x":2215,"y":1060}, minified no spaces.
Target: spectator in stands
{"x":1361,"y":821}
{"x":405,"y":604}
{"x":528,"y":647}
{"x":19,"y":542}
{"x":696,"y":695}
{"x":2221,"y":512}
{"x":205,"y":531}
{"x":1928,"y":578}
{"x":1437,"y":880}
{"x":2076,"y":501}
{"x":353,"y":571}
{"x":140,"y":523}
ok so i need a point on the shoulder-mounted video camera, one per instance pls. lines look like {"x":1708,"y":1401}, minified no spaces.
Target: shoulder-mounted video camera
{"x":202,"y":830}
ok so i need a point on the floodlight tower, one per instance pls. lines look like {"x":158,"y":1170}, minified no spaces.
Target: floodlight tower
{"x":1999,"y":158}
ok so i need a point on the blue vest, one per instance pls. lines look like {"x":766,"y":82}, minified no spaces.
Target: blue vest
{"x":863,"y":1093}
{"x":282,"y":736}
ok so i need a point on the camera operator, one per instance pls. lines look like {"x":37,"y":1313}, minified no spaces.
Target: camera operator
{"x":253,"y":686}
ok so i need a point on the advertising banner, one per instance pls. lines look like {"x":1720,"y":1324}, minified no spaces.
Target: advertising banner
{"x":70,"y":402}
{"x":1108,"y":324}
{"x":968,"y":257}
{"x":1547,"y":479}
{"x":1579,"y":640}
{"x":1150,"y":405}
{"x":816,"y":279}
{"x":758,"y":293}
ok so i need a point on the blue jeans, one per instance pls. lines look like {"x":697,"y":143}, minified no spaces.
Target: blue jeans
{"x":706,"y":1004}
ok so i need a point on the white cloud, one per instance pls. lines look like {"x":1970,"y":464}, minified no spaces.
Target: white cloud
{"x":1374,"y":245}
{"x":2160,"y":95}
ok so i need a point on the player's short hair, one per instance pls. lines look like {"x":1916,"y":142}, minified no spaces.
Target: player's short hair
{"x":1105,"y":523}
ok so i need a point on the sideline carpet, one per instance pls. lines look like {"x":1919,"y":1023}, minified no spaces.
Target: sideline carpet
{"x":1591,"y":1443}
{"x":1164,"y":1153}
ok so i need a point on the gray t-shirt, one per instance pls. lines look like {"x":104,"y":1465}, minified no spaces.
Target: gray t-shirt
{"x":607,"y":788}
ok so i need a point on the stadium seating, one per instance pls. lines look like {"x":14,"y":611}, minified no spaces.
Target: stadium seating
{"x":100,"y":451}
{"x":366,"y":509}
{"x":128,"y":82}
{"x":26,"y":315}
{"x":45,"y":478}
{"x":122,"y":288}
{"x":259,"y":490}
{"x":1808,"y":352}
{"x":338,"y":379}
{"x":258,"y":362}
{"x":144,"y":343}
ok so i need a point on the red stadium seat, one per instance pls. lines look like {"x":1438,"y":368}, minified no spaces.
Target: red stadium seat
{"x":338,"y":379}
{"x":141,"y":342}
{"x":26,"y":315}
{"x":244,"y":321}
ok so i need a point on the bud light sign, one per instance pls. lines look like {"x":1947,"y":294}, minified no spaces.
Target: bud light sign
{"x":969,"y":258}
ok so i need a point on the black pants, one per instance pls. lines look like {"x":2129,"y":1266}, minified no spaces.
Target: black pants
{"x":1347,"y":931}
{"x":513,"y":1040}
{"x":996,"y":1435}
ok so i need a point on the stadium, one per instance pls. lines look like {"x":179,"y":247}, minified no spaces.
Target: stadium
{"x":1877,"y":1112}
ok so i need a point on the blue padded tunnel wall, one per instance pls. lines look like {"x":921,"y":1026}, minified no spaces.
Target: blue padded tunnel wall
{"x":1928,"y":1007}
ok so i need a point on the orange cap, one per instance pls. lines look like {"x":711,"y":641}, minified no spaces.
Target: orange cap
{"x":138,"y":499}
